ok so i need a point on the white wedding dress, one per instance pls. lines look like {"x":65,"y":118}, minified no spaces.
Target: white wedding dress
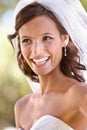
{"x":48,"y":122}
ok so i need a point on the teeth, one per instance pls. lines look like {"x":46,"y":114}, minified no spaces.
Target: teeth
{"x":40,"y":60}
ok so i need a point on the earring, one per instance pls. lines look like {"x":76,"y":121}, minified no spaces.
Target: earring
{"x":65,"y":51}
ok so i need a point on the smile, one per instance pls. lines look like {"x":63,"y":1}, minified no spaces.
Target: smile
{"x":40,"y":61}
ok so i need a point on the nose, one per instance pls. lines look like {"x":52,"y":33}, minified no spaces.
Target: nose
{"x":37,"y":47}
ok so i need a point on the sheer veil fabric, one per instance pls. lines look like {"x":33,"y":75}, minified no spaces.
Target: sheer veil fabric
{"x":71,"y":15}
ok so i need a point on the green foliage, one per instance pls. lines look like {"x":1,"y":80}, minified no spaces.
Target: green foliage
{"x":84,"y":2}
{"x":13,"y":83}
{"x":7,"y":4}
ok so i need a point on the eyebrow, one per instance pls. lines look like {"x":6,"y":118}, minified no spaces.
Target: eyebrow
{"x":25,"y":37}
{"x":48,"y":33}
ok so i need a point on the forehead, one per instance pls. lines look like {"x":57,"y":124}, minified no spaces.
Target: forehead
{"x":38,"y":24}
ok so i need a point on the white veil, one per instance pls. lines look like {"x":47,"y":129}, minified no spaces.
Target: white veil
{"x":71,"y":15}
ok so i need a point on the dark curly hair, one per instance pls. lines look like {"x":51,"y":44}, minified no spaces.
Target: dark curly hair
{"x":70,"y":65}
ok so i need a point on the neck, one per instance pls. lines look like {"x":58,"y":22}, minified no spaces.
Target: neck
{"x":52,"y":82}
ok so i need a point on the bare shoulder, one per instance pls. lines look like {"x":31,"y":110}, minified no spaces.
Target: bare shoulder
{"x":22,"y":102}
{"x":79,"y":89}
{"x":19,"y":108}
{"x":79,"y":95}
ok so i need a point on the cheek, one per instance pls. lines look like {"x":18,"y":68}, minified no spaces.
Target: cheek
{"x":24,"y":52}
{"x":57,"y":52}
{"x":56,"y":47}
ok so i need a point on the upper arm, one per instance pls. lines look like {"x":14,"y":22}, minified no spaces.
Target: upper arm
{"x":80,"y":96}
{"x":83,"y":107}
{"x":17,"y":114}
{"x":19,"y":109}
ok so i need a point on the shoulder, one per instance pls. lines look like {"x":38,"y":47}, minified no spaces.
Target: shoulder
{"x":79,"y":89}
{"x":79,"y":95}
{"x":22,"y":102}
{"x":20,"y":106}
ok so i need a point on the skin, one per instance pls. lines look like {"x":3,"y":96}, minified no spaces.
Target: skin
{"x":41,"y":45}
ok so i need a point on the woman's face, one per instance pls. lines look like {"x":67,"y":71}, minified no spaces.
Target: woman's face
{"x":41,"y":44}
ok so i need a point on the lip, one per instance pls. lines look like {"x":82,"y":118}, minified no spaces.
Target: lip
{"x":40,"y":61}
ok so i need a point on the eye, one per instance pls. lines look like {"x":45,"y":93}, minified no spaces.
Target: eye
{"x":26,"y":41}
{"x":47,"y":38}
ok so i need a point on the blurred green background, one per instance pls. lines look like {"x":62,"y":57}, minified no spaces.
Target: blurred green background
{"x":13,"y":84}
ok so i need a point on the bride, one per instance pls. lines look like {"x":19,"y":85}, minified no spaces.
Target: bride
{"x":50,"y":40}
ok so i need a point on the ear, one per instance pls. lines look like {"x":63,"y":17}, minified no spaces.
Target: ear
{"x":65,"y":40}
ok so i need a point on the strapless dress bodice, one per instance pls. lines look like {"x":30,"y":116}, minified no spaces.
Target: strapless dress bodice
{"x":48,"y":122}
